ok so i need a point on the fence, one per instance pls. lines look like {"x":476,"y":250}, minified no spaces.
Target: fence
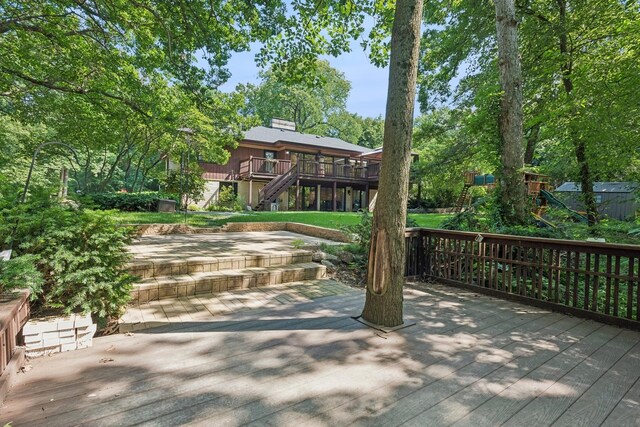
{"x":595,"y":280}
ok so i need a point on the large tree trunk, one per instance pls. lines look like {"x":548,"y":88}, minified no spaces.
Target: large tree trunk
{"x":383,"y":305}
{"x":579,"y":145}
{"x":513,"y":201}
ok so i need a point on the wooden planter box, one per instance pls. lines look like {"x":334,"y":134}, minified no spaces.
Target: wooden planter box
{"x":14,"y":313}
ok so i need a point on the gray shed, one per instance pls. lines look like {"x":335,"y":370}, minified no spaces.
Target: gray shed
{"x":617,"y":200}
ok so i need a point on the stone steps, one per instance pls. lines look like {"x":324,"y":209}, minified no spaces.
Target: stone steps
{"x":221,"y":280}
{"x":173,"y":267}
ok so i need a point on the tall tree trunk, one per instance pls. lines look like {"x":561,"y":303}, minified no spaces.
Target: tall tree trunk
{"x":579,"y":144}
{"x":385,"y":281}
{"x":532,"y":142}
{"x":513,"y":201}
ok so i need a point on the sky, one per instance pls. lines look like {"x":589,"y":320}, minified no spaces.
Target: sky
{"x":368,"y":95}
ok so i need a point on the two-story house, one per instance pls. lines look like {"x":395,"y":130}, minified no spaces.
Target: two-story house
{"x":277,"y":168}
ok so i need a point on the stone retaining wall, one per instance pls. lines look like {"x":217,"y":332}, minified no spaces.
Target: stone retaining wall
{"x":58,"y":334}
{"x":294,"y":227}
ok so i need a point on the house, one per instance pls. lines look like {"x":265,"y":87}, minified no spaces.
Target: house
{"x":277,"y":168}
{"x":615,"y":200}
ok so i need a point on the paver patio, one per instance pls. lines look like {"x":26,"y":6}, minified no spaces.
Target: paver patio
{"x":180,"y":246}
{"x":469,"y":360}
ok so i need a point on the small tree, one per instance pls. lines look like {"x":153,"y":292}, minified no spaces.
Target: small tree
{"x":189,"y":183}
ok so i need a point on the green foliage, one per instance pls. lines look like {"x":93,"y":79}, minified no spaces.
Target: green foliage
{"x":189,"y":183}
{"x":21,"y":273}
{"x":297,"y":243}
{"x":447,"y":148}
{"x":80,"y":254}
{"x":584,"y":95}
{"x":227,"y":201}
{"x":128,"y":202}
{"x":318,"y":107}
{"x":361,"y":232}
{"x":483,"y":217}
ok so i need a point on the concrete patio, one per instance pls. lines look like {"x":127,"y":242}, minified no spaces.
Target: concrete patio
{"x":469,"y":360}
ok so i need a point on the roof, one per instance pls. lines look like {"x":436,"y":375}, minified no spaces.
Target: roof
{"x":601,"y":187}
{"x":272,"y":136}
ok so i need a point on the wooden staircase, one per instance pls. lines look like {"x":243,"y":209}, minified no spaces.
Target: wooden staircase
{"x":463,"y":199}
{"x":276,"y":187}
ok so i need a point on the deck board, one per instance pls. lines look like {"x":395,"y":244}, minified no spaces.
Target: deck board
{"x":469,"y":359}
{"x":506,"y":402}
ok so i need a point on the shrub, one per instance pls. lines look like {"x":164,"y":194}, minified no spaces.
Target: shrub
{"x":361,"y":232}
{"x":128,"y":202}
{"x":21,"y":273}
{"x":80,"y":254}
{"x":227,"y":201}
{"x":189,"y":183}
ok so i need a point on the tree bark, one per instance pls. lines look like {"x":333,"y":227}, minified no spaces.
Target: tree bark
{"x":513,"y":201}
{"x":532,"y":142}
{"x":385,"y":281}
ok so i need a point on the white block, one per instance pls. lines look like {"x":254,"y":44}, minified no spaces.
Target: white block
{"x":66,"y":340}
{"x":51,"y":342}
{"x":67,"y":333}
{"x":33,"y":338}
{"x":65,"y":323}
{"x":49,"y":335}
{"x":32,"y":327}
{"x":68,"y":346}
{"x":88,"y":331}
{"x":84,"y":320}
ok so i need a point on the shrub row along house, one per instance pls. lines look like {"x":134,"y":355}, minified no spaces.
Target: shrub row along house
{"x":277,"y":168}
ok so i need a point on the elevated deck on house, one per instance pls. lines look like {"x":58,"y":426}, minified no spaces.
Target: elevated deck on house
{"x":468,"y":360}
{"x":320,"y":171}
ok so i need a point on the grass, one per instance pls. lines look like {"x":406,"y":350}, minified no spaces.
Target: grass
{"x":322,"y":219}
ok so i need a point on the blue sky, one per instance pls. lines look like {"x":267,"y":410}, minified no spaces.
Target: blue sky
{"x":368,"y":95}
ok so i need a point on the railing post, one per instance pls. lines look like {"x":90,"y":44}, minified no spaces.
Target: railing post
{"x":250,"y":165}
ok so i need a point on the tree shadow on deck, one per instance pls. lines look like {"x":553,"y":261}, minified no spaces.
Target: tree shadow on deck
{"x":320,"y":367}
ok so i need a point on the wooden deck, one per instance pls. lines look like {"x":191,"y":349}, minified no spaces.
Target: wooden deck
{"x":469,"y":360}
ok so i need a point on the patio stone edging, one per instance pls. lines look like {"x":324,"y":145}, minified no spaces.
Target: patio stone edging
{"x":58,"y":334}
{"x":294,"y":227}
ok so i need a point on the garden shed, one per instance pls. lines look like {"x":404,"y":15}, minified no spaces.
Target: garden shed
{"x":617,"y":200}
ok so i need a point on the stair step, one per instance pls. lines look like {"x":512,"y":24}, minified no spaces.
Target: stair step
{"x":202,"y":283}
{"x":147,"y":269}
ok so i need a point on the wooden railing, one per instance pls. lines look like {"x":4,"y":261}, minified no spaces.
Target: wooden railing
{"x":373,"y":170}
{"x":263,"y":166}
{"x":14,"y":313}
{"x":338,"y":170}
{"x":596,"y":280}
{"x":308,"y":168}
{"x":277,"y":186}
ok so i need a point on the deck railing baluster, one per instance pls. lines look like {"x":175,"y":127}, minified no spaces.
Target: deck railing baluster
{"x":558,"y":274}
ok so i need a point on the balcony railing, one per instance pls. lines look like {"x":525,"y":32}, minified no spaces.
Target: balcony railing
{"x":265,"y":167}
{"x":338,"y":170}
{"x":258,"y":166}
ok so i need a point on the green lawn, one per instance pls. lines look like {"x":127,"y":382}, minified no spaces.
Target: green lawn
{"x":322,"y":219}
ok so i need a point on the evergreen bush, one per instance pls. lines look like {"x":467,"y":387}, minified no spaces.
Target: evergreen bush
{"x":80,"y":254}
